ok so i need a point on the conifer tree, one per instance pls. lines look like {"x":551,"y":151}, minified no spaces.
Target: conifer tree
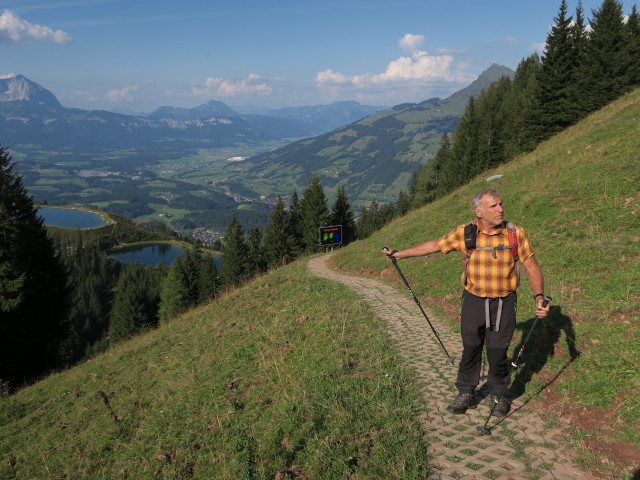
{"x":233,"y":270}
{"x":522,"y":107}
{"x":608,"y":65}
{"x":276,"y":240}
{"x":633,"y":46}
{"x":34,"y":294}
{"x":464,"y":151}
{"x":557,"y":84}
{"x":425,"y":180}
{"x":180,"y":288}
{"x":342,"y":214}
{"x":256,"y":262}
{"x":295,"y":225}
{"x":209,"y":279}
{"x":136,"y":303}
{"x":315,"y":214}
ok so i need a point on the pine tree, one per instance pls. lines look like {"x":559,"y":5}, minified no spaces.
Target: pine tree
{"x":256,"y":262}
{"x":522,"y":107}
{"x":608,"y":65}
{"x":342,"y":214}
{"x":276,"y":240}
{"x":136,"y":303}
{"x":425,"y":180}
{"x":209,"y":279}
{"x":315,"y":214}
{"x":33,"y":288}
{"x":295,"y":226}
{"x":558,"y":93}
{"x":233,"y":270}
{"x":180,"y":288}
{"x":633,"y":47}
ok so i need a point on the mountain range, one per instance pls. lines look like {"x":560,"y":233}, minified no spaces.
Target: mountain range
{"x":29,"y":113}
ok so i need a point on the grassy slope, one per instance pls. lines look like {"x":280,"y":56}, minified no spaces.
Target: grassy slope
{"x":286,"y":377}
{"x":578,"y":195}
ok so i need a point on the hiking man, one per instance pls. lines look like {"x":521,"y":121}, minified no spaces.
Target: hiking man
{"x":491,"y":248}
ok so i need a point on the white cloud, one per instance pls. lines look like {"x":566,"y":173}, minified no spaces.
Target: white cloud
{"x":14,"y":29}
{"x":125,"y":94}
{"x":411,"y":43}
{"x":419,"y":71}
{"x":218,"y":87}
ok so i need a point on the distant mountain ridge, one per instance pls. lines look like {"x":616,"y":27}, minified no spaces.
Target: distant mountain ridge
{"x":375,"y":156}
{"x":29,"y":113}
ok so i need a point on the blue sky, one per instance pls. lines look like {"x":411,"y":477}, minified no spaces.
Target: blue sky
{"x":143,"y":54}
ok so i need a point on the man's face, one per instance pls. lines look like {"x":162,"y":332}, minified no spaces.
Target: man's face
{"x":490,"y":211}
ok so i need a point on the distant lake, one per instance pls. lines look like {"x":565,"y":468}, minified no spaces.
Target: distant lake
{"x":151,"y":254}
{"x":70,"y":217}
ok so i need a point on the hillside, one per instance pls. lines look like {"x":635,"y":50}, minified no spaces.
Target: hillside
{"x":578,"y":195}
{"x":374,"y":157}
{"x":294,"y":377}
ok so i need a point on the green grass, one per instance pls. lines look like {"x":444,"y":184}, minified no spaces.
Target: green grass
{"x":578,"y":197}
{"x":290,"y":375}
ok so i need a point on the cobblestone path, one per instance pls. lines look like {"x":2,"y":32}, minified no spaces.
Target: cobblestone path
{"x":520,"y":447}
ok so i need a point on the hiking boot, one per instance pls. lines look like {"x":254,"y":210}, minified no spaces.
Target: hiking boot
{"x":461,"y":403}
{"x":501,"y":408}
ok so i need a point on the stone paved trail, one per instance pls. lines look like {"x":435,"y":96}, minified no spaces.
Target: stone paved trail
{"x":520,"y":447}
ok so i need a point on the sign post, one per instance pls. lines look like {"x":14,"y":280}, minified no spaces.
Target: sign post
{"x":330,"y":236}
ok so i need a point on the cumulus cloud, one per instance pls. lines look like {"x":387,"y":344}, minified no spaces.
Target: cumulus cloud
{"x":14,"y":29}
{"x":419,"y":70}
{"x":124,"y":94}
{"x":219,"y":87}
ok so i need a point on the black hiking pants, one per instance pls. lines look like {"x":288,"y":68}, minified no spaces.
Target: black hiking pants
{"x":475,"y":333}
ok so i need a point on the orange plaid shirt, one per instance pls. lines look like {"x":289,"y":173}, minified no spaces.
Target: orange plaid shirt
{"x":488,"y":276}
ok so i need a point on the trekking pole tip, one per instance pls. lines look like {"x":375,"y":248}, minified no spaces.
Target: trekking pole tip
{"x":450,"y":360}
{"x":483,"y":430}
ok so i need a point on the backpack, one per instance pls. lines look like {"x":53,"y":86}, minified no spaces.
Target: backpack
{"x":470,"y":234}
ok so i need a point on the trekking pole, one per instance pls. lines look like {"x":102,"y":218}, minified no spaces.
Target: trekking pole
{"x":512,"y":368}
{"x":450,"y":359}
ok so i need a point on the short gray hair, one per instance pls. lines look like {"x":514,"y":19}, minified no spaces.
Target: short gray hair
{"x":477,"y":198}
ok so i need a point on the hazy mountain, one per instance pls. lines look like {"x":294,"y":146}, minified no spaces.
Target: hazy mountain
{"x":30,"y":114}
{"x":376,"y":156}
{"x":324,"y":118}
{"x":212,"y":108}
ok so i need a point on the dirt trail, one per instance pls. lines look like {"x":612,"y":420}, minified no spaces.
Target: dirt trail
{"x":521,"y":445}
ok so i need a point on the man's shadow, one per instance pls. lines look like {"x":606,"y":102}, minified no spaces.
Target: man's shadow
{"x":542,"y":344}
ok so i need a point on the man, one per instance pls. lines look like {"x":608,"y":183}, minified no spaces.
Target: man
{"x":490,"y":280}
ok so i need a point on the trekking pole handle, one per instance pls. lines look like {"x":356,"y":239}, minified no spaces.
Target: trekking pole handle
{"x":390,"y":254}
{"x":546,"y":301}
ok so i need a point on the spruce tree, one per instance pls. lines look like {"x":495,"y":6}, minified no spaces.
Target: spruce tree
{"x":276,"y":240}
{"x":34,"y":293}
{"x":315,"y":214}
{"x":180,"y":288}
{"x":209,"y":279}
{"x":256,"y":262}
{"x":425,"y":180}
{"x":233,"y":270}
{"x":136,"y":303}
{"x":295,"y":225}
{"x":342,"y":214}
{"x":557,"y":93}
{"x":633,"y":47}
{"x":608,"y":65}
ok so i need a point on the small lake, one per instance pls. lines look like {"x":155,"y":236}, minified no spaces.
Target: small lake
{"x":151,"y":254}
{"x":70,"y":217}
